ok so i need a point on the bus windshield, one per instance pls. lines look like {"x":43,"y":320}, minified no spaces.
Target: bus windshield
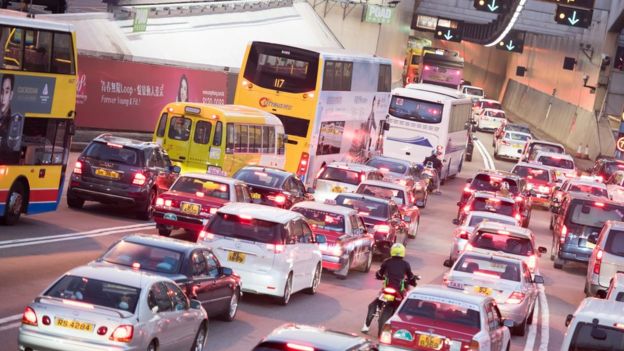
{"x":416,"y":110}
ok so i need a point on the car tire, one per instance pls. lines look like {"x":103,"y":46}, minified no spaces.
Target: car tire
{"x":200,"y":338}
{"x":520,"y":330}
{"x":285,"y":298}
{"x":146,"y":213}
{"x":14,"y":204}
{"x":164,"y":231}
{"x":316,"y":280}
{"x":468,"y":157}
{"x":230,"y":314}
{"x":75,"y":202}
{"x":153,"y":346}
{"x":369,"y":261}
{"x":344,"y":272}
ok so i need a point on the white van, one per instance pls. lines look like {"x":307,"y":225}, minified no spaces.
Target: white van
{"x":273,"y":250}
{"x":607,"y":258}
{"x":342,"y":177}
{"x":596,"y":325}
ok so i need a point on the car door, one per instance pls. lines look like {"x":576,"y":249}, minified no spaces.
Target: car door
{"x":494,"y":326}
{"x":307,"y":248}
{"x":177,"y":142}
{"x":351,"y":241}
{"x":184,"y":320}
{"x":201,"y":284}
{"x":222,"y":289}
{"x":163,"y":320}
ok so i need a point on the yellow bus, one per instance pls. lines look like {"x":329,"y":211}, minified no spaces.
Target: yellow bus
{"x":37,"y":108}
{"x":220,"y":138}
{"x":331,"y":102}
{"x":412,"y":65}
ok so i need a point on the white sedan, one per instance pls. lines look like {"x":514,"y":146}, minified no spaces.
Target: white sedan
{"x":511,"y":145}
{"x":490,"y":119}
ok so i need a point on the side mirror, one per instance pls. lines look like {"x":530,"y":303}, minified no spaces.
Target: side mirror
{"x":538,"y":279}
{"x":568,"y":320}
{"x":310,"y":190}
{"x":226,"y":271}
{"x":509,"y":323}
{"x":542,"y":250}
{"x":175,"y":169}
{"x":455,"y":221}
{"x":196,"y":304}
{"x":321,"y":239}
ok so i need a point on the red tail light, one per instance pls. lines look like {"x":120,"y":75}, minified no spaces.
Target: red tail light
{"x":102,"y":331}
{"x":303,"y":164}
{"x":122,"y":333}
{"x":297,"y":347}
{"x":278,"y":199}
{"x":160,"y":201}
{"x":599,"y":204}
{"x":463,"y":235}
{"x":389,"y":291}
{"x":276,"y":248}
{"x":78,"y":167}
{"x":466,"y":208}
{"x":29,"y":317}
{"x":516,"y":297}
{"x":362,"y":177}
{"x":518,"y":217}
{"x":139,"y":179}
{"x":598,"y":262}
{"x":564,"y":234}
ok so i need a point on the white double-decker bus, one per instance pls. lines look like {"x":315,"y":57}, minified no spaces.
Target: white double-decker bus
{"x":423,"y":117}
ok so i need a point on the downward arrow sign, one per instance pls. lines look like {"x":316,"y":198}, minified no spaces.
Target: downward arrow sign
{"x":510,"y":46}
{"x":448,"y":35}
{"x":493,"y":7}
{"x":573,"y":20}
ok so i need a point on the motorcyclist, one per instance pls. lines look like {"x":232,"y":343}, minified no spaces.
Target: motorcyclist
{"x":434,"y":159}
{"x":395,"y":270}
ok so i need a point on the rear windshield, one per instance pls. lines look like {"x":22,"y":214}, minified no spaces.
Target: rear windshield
{"x":416,"y":110}
{"x":340,"y":175}
{"x":95,"y":292}
{"x":322,"y":219}
{"x":254,"y":177}
{"x":440,"y":311}
{"x":149,"y":258}
{"x":493,"y":205}
{"x":247,"y":228}
{"x":485,"y":182}
{"x":615,"y":243}
{"x":474,"y":91}
{"x":546,"y":148}
{"x":364,"y":207}
{"x":503,"y":242}
{"x":497,"y":114}
{"x":390,"y":166}
{"x":532,"y":173}
{"x":517,"y":137}
{"x":381,"y":192}
{"x":515,"y":127}
{"x":489,"y":267}
{"x":591,"y":214}
{"x":113,"y":153}
{"x":599,"y":338}
{"x":494,"y":105}
{"x":201,"y":187}
{"x":589,"y":189}
{"x":476,"y":220}
{"x":557,"y":162}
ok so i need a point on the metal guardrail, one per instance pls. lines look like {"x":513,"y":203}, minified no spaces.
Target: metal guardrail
{"x":125,"y":9}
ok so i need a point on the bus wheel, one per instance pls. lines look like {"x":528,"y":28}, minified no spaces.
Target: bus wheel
{"x":14,"y":204}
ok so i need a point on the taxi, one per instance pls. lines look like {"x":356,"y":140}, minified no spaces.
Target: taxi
{"x":598,"y":322}
{"x":615,"y":186}
{"x":482,"y":104}
{"x":434,"y":317}
{"x":562,"y":164}
{"x":341,"y":177}
{"x":490,"y":202}
{"x":273,"y":186}
{"x":615,"y":292}
{"x":462,"y":234}
{"x":508,"y":280}
{"x":540,"y":181}
{"x":402,"y":195}
{"x":512,"y":241}
{"x":510,"y":145}
{"x":193,"y":198}
{"x":347,"y":245}
{"x":403,"y":172}
{"x":490,"y":119}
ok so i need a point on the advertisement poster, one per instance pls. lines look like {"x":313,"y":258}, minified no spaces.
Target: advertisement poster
{"x":128,"y":96}
{"x":330,"y":138}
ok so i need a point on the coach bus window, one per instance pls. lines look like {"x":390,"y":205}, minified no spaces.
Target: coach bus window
{"x":216,"y":140}
{"x":62,"y":55}
{"x":337,"y":76}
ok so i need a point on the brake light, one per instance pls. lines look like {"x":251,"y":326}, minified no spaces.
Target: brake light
{"x":532,"y":262}
{"x":598,"y":262}
{"x":389,"y":291}
{"x":599,"y":204}
{"x":139,"y":179}
{"x":276,"y":248}
{"x":518,"y":217}
{"x":386,"y":335}
{"x":122,"y":333}
{"x":160,"y":201}
{"x":303,"y":164}
{"x":297,"y":347}
{"x":78,"y":167}
{"x":516,"y":297}
{"x":29,"y":317}
{"x":362,"y":177}
{"x":564,"y":234}
{"x":382,"y":228}
{"x":213,"y":210}
{"x":519,"y":198}
{"x":278,"y":199}
{"x":473,"y":346}
{"x":463,"y":235}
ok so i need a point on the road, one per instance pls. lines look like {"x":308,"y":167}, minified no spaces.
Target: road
{"x":42,"y":247}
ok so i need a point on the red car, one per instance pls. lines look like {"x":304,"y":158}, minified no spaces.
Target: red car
{"x":540,"y":180}
{"x":193,"y":198}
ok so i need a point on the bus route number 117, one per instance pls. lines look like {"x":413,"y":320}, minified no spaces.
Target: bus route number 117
{"x":278,"y":83}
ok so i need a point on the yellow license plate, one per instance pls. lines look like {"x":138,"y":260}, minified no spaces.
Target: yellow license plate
{"x":255,"y":196}
{"x":430,"y":342}
{"x":237,"y":257}
{"x":73,"y":324}
{"x":190,"y":208}
{"x":483,"y":290}
{"x":107,"y":173}
{"x":337,"y":189}
{"x":590,"y":245}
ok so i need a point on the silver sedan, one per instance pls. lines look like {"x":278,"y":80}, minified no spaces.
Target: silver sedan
{"x":113,"y":309}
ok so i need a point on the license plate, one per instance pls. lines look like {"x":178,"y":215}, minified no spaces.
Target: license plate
{"x":590,"y":245}
{"x":255,"y":196}
{"x":237,"y":257}
{"x":430,"y":342}
{"x":518,"y":146}
{"x":337,"y":189}
{"x":74,"y":324}
{"x":107,"y":173}
{"x":483,"y":290}
{"x":170,"y":216}
{"x":190,"y":208}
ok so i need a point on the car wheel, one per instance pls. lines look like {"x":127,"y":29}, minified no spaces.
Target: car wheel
{"x":316,"y":280}
{"x":200,"y":338}
{"x":75,"y":202}
{"x":147,"y":212}
{"x":369,"y":261}
{"x":153,"y":346}
{"x":520,"y":330}
{"x":558,"y":264}
{"x":164,"y":231}
{"x":14,"y":204}
{"x":285,"y":298}
{"x":586,"y":290}
{"x":508,"y":346}
{"x":233,"y":307}
{"x":344,"y":272}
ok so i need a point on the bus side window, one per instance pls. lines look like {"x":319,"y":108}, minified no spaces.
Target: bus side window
{"x":255,"y":138}
{"x":37,"y":51}
{"x":12,"y":41}
{"x":242,"y":144}
{"x":229,"y":138}
{"x":62,"y":55}
{"x":216,"y":140}
{"x":202,"y":132}
{"x":162,"y":124}
{"x":180,"y":128}
{"x":271,"y":145}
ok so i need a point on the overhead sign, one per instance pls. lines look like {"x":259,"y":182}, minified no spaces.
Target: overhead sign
{"x":424,"y":22}
{"x":449,"y":34}
{"x":573,"y":17}
{"x":588,"y":4}
{"x":378,"y":14}
{"x":513,"y":42}
{"x":492,"y":6}
{"x":620,"y":144}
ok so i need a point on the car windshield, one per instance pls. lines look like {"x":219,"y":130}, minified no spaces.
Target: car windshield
{"x":491,"y":104}
{"x":475,"y":220}
{"x":532,"y":173}
{"x":441,"y":310}
{"x":365,"y":207}
{"x":389,"y":166}
{"x":243,"y":227}
{"x":517,"y":136}
{"x":497,"y":114}
{"x":201,"y":187}
{"x":474,"y":91}
{"x":489,"y":267}
{"x":588,"y":337}
{"x":593,"y":214}
{"x":382,"y":192}
{"x":589,"y":189}
{"x":150,"y":258}
{"x":615,"y":243}
{"x":256,"y":177}
{"x":341,"y":175}
{"x":558,"y":162}
{"x":322,"y":219}
{"x":485,"y":182}
{"x":504,"y":242}
{"x":113,"y":153}
{"x":493,"y":205}
{"x":518,"y":128}
{"x":95,"y":292}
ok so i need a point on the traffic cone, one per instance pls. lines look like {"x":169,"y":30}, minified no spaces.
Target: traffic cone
{"x":586,"y":154}
{"x":579,"y":151}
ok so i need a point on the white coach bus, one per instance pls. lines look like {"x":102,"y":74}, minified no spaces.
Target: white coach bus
{"x":423,"y":117}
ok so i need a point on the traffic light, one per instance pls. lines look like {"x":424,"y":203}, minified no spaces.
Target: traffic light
{"x":573,"y":16}
{"x":491,"y":6}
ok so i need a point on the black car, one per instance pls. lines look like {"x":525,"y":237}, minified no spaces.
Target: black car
{"x":273,"y":186}
{"x":290,"y":337}
{"x":121,"y":171}
{"x":605,"y":167}
{"x":192,"y":266}
{"x":382,"y":218}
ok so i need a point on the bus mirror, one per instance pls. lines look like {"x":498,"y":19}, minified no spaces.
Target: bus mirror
{"x":72,"y":128}
{"x":386,"y":126}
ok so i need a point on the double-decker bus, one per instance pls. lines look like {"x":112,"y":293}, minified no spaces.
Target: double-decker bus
{"x":411,"y":67}
{"x":441,"y":67}
{"x":37,"y":108}
{"x":330,"y":102}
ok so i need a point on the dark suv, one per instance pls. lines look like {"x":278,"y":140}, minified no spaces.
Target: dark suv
{"x":605,"y":167}
{"x":121,"y":171}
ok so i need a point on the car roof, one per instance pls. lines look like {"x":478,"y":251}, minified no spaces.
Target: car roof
{"x":358,"y":167}
{"x":516,"y":131}
{"x":268,"y":170}
{"x":313,"y":205}
{"x":553,"y":154}
{"x":607,"y":312}
{"x":211,"y":177}
{"x":116,"y":274}
{"x":532,"y":165}
{"x":512,"y":229}
{"x":127,"y":142}
{"x":444,"y":292}
{"x":586,"y":182}
{"x":393,"y":159}
{"x":492,"y":195}
{"x":162,"y":242}
{"x":261,"y":212}
{"x":324,"y":339}
{"x":381,"y":183}
{"x":363,"y":197}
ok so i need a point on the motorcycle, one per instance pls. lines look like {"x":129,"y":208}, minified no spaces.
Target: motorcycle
{"x":430,"y":174}
{"x":390,"y":300}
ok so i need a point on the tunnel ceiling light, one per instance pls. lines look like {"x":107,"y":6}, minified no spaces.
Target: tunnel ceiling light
{"x":509,"y":25}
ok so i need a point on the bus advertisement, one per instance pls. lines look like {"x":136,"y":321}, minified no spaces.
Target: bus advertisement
{"x":441,"y":67}
{"x":37,"y":108}
{"x":331,"y":103}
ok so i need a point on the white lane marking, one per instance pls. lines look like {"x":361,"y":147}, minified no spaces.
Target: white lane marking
{"x":487,"y":159}
{"x":10,"y":318}
{"x":3,"y":242}
{"x":531,"y":336}
{"x":545,"y":319}
{"x":10,"y":326}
